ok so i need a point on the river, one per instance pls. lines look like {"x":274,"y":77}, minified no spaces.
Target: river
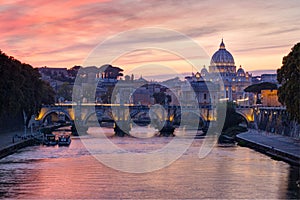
{"x":72,"y":172}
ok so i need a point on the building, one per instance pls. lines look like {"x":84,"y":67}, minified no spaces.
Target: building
{"x":223,"y":70}
{"x":271,"y":78}
{"x":256,"y":79}
{"x":53,"y":71}
{"x":205,"y":92}
{"x":270,"y":98}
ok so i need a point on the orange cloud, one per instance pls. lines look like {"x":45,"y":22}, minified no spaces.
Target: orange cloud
{"x":63,"y":33}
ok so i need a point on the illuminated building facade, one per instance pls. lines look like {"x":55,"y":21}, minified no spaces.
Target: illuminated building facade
{"x":222,"y":68}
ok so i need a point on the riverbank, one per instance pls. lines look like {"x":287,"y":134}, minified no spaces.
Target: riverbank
{"x":10,"y":144}
{"x":277,"y":146}
{"x":15,"y":147}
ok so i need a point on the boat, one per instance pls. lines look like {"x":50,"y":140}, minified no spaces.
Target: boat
{"x":50,"y":139}
{"x":64,"y":140}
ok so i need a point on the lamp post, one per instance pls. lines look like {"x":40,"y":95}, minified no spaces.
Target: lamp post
{"x":25,"y":119}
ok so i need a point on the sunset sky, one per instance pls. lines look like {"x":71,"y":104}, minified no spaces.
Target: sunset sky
{"x":61,"y":33}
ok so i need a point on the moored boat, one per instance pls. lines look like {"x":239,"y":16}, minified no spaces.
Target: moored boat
{"x":50,"y":139}
{"x":64,"y":140}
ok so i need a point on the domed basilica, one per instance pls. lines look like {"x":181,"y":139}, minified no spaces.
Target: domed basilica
{"x":222,"y":68}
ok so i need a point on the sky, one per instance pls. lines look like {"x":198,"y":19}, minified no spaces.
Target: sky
{"x":64,"y":33}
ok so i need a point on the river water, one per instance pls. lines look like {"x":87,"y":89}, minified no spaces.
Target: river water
{"x":72,"y":172}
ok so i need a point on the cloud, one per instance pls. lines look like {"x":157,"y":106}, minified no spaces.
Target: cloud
{"x":66,"y":31}
{"x":262,"y":48}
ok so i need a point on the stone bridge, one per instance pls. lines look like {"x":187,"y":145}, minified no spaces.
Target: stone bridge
{"x":91,"y":112}
{"x":265,"y":118}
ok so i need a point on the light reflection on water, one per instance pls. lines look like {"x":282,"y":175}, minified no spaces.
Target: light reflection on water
{"x":71,"y":172}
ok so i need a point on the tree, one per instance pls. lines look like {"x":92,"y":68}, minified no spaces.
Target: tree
{"x":65,"y":91}
{"x":111,"y":72}
{"x":257,"y":88}
{"x":161,"y":98}
{"x":289,"y":78}
{"x":231,"y":122}
{"x":47,"y":93}
{"x":73,"y":71}
{"x":22,"y":90}
{"x":106,"y":98}
{"x":232,"y":118}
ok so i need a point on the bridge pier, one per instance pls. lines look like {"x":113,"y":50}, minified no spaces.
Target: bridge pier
{"x":122,"y":128}
{"x":168,"y":117}
{"x":167,"y":130}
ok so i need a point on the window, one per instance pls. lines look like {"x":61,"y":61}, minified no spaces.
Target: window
{"x":204,"y":96}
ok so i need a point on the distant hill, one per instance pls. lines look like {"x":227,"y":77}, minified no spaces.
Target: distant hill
{"x":164,"y":77}
{"x":260,"y":72}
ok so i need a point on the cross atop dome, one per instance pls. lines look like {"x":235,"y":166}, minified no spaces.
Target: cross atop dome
{"x":222,"y":45}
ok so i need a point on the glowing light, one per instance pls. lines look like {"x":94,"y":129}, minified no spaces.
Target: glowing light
{"x":224,"y":99}
{"x":245,"y":99}
{"x":41,"y":114}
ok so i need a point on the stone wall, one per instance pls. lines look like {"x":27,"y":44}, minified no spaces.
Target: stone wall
{"x":276,"y":120}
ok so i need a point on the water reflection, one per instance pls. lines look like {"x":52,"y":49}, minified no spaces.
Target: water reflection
{"x":71,"y":172}
{"x":293,"y":187}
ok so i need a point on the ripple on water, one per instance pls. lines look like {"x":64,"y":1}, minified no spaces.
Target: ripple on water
{"x":71,"y":172}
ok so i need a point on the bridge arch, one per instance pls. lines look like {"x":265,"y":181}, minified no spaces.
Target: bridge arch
{"x":133,"y":113}
{"x":179,"y":115}
{"x":137,"y":113}
{"x":245,"y":118}
{"x":56,"y":111}
{"x":103,"y":114}
{"x":88,"y":116}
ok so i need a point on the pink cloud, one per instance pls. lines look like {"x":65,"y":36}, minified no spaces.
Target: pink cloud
{"x":62,"y":33}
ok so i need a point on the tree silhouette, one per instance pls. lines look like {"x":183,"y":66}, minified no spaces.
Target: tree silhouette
{"x":162,"y":98}
{"x":21,"y":89}
{"x":289,"y":76}
{"x":65,"y":91}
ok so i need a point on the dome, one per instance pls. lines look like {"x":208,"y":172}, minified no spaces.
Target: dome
{"x":240,"y":71}
{"x":222,"y":57}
